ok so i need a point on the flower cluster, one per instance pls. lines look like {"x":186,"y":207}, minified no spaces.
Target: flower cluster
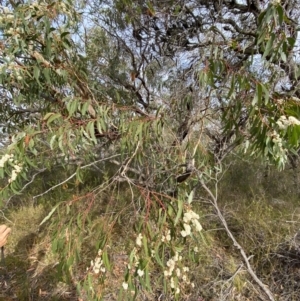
{"x":134,"y":266}
{"x":97,"y":264}
{"x":284,"y":122}
{"x":279,"y":152}
{"x":138,"y":240}
{"x":125,"y":285}
{"x":6,"y":158}
{"x":190,"y":218}
{"x":17,"y":167}
{"x":6,"y":15}
{"x":174,"y":273}
{"x":276,"y":139}
{"x":13,"y":70}
{"x":171,"y":263}
{"x":135,"y":258}
{"x":166,"y":236}
{"x":6,"y":18}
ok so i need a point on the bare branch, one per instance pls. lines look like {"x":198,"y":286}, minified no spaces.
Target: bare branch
{"x":214,"y":201}
{"x":73,"y":175}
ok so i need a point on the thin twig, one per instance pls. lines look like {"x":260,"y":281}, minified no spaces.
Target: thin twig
{"x":73,"y":175}
{"x":8,"y":220}
{"x":24,"y":187}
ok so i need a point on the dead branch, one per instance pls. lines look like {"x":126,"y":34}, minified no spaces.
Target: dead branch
{"x":214,"y":202}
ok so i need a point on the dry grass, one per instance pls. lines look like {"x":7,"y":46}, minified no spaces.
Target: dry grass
{"x":263,"y":224}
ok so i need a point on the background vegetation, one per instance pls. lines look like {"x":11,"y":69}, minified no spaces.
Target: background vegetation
{"x":150,"y":149}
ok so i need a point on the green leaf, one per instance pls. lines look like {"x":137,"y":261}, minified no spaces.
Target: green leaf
{"x":46,"y":73}
{"x":291,"y":41}
{"x":90,"y":128}
{"x":269,"y":46}
{"x":49,"y":215}
{"x":84,"y":108}
{"x":78,"y":175}
{"x":266,"y":93}
{"x":179,"y":211}
{"x":106,"y":260}
{"x":283,"y":56}
{"x":47,"y":116}
{"x":53,"y":117}
{"x":65,"y":34}
{"x":54,"y":245}
{"x":258,"y":95}
{"x":147,"y":277}
{"x":36,"y":73}
{"x":52,"y":141}
{"x":157,"y":257}
{"x":145,"y":244}
{"x":280,"y":12}
{"x":72,"y":106}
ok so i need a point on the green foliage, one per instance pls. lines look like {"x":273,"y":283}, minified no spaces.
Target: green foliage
{"x":144,"y":98}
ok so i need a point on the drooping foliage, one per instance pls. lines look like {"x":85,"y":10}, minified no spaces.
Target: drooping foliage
{"x":161,"y":90}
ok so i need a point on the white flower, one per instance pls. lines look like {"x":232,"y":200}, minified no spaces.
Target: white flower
{"x":280,"y":101}
{"x":17,"y":168}
{"x":4,"y":159}
{"x":294,"y":121}
{"x":190,"y":215}
{"x":13,"y":176}
{"x":102,"y":270}
{"x":281,"y":125}
{"x":178,"y":272}
{"x":167,"y":273}
{"x":177,"y":290}
{"x":170,"y":263}
{"x":140,"y":272}
{"x":125,"y":285}
{"x":197,"y":225}
{"x":194,"y":215}
{"x":98,"y":262}
{"x":196,"y":250}
{"x":192,"y":284}
{"x":184,"y":278}
{"x":187,"y":217}
{"x":168,"y":236}
{"x":183,"y":233}
{"x":282,"y":122}
{"x":185,"y":269}
{"x":172,"y":284}
{"x":186,"y":231}
{"x":138,"y":240}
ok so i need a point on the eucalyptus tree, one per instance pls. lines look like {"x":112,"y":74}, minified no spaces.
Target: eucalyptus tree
{"x":234,"y":60}
{"x":163,"y":90}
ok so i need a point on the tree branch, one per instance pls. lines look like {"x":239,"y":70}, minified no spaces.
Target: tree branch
{"x":73,"y":175}
{"x":214,"y":201}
